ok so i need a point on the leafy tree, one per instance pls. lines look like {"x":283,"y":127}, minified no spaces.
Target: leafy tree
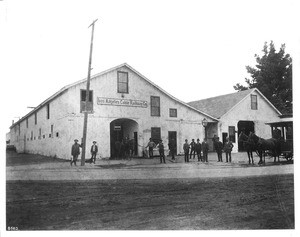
{"x":273,"y":77}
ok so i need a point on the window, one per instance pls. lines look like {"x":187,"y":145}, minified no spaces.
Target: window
{"x":35,"y":118}
{"x":40,"y":133}
{"x":89,"y":106}
{"x":27,"y":123}
{"x":51,"y":134}
{"x":254,"y":102}
{"x":155,"y":134}
{"x":48,"y":111}
{"x":122,"y":82}
{"x":155,"y":106}
{"x":173,"y":113}
{"x":231,"y":131}
{"x":31,"y":137}
{"x":19,"y":129}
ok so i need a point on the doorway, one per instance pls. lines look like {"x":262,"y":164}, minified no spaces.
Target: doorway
{"x":119,"y":130}
{"x":246,"y":127}
{"x":173,"y":135}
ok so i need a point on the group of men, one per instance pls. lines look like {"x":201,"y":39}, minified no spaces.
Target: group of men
{"x":75,"y":152}
{"x":219,"y":147}
{"x":196,"y":148}
{"x":189,"y":150}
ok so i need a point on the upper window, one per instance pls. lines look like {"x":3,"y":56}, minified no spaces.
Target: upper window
{"x":48,"y":111}
{"x":173,"y":113}
{"x":155,"y":106}
{"x":254,"y":102}
{"x":89,"y":106}
{"x":35,"y":118}
{"x":123,"y":82}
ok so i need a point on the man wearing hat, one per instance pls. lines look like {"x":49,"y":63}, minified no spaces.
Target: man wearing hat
{"x":186,"y":149}
{"x":75,"y":151}
{"x":161,"y":150}
{"x":94,"y":151}
{"x":198,"y":149}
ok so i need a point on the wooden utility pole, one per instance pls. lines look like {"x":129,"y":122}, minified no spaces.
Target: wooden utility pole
{"x":83,"y":144}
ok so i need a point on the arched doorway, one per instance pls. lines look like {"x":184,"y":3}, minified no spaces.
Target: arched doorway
{"x":120,"y":129}
{"x":246,"y":127}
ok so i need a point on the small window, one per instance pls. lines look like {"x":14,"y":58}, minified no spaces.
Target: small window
{"x":48,"y":111}
{"x":254,"y":102}
{"x":35,"y":118}
{"x":231,"y":131}
{"x":89,"y":107}
{"x":123,"y":82}
{"x":155,"y":106}
{"x":155,"y":134}
{"x":173,"y":113}
{"x":57,"y":134}
{"x":40,"y":133}
{"x":26,"y":122}
{"x":51,"y":134}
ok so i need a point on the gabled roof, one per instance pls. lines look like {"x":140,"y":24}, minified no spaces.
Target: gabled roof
{"x":65,"y":88}
{"x":220,"y":105}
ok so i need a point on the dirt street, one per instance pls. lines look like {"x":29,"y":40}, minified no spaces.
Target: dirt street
{"x":194,"y":202}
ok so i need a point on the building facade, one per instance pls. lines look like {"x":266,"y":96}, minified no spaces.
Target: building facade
{"x":122,"y":103}
{"x":247,"y":111}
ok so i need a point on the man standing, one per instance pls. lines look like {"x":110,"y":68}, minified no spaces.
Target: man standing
{"x":172,"y":147}
{"x":186,"y":148}
{"x":218,"y":148}
{"x":205,"y":149}
{"x":161,"y":150}
{"x":151,"y":145}
{"x":198,"y":149}
{"x":75,"y":151}
{"x":94,"y":151}
{"x":193,"y":150}
{"x":228,"y":148}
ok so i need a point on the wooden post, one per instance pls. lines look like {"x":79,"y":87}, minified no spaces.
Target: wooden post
{"x":83,"y":144}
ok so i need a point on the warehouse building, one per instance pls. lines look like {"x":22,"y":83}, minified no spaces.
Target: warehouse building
{"x":122,"y":103}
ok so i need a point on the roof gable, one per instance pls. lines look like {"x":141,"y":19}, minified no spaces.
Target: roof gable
{"x":65,"y":88}
{"x":220,"y":105}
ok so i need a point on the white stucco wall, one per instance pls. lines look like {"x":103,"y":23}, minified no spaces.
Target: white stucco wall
{"x":67,"y":120}
{"x":265,"y":113}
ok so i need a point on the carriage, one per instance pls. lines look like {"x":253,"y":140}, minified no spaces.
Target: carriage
{"x":283,"y":131}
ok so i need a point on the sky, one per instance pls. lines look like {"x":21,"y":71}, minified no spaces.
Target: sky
{"x":191,"y":49}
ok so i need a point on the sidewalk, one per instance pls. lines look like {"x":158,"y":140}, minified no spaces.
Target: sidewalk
{"x":138,"y":168}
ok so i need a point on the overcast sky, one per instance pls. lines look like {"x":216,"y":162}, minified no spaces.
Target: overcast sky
{"x":191,"y":49}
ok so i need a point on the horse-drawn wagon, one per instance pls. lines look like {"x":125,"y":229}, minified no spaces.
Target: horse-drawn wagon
{"x":283,"y":131}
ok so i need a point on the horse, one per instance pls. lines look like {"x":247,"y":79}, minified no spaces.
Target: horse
{"x":263,"y":145}
{"x":248,"y":144}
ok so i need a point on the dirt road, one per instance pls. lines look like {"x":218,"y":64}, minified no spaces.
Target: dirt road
{"x":193,"y":201}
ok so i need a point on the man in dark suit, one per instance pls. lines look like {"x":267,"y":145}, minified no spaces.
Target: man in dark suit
{"x":94,"y":151}
{"x":75,"y":151}
{"x":219,"y":147}
{"x":205,"y":149}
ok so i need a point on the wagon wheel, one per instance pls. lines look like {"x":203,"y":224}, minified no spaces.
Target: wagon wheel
{"x":289,"y":156}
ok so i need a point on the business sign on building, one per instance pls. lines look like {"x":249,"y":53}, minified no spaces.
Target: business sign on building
{"x":121,"y":102}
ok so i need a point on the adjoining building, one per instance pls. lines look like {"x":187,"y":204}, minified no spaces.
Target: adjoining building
{"x":122,"y":103}
{"x":247,"y":111}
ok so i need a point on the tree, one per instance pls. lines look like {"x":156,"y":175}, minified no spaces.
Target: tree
{"x":273,"y":77}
